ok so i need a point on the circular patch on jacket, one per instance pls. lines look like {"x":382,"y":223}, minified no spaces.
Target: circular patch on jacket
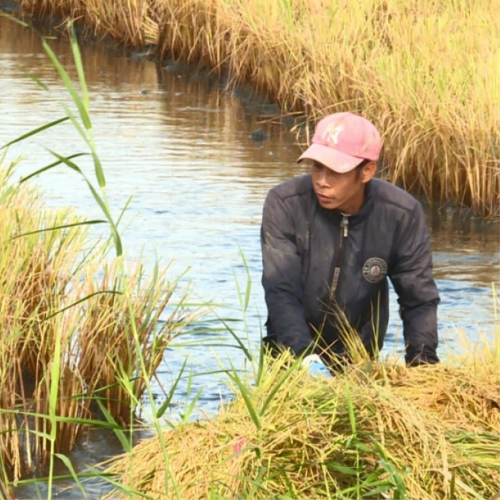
{"x":375,"y":270}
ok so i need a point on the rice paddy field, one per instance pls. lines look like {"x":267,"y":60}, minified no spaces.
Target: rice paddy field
{"x":426,"y":72}
{"x":81,"y":330}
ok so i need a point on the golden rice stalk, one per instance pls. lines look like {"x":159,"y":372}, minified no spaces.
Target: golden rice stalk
{"x":107,"y":324}
{"x":121,"y":338}
{"x":439,"y":427}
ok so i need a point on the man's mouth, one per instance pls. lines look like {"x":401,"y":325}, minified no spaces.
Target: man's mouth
{"x":322,"y":197}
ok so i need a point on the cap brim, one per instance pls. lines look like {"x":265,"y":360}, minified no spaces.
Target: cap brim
{"x":331,"y":158}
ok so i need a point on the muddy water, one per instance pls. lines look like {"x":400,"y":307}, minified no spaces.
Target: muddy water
{"x":180,"y":144}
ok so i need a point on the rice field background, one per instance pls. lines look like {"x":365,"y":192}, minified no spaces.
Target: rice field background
{"x":426,"y":72}
{"x":391,"y":432}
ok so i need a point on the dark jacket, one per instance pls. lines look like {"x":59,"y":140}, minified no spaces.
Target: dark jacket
{"x":303,"y":243}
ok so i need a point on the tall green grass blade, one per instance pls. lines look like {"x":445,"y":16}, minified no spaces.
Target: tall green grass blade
{"x":114,"y":230}
{"x":168,"y":400}
{"x":57,"y":228}
{"x":246,"y":397}
{"x":257,"y":483}
{"x":343,"y":469}
{"x":55,"y":376}
{"x":350,"y":406}
{"x":80,"y":301}
{"x":81,"y":130}
{"x":35,"y":131}
{"x":79,"y":66}
{"x":124,"y":209}
{"x":248,"y":289}
{"x":378,"y":490}
{"x":69,"y":85}
{"x":260,"y":366}
{"x":99,"y":171}
{"x":278,"y":384}
{"x":190,"y":408}
{"x":125,"y":442}
{"x":37,"y":80}
{"x":65,"y":477}
{"x":395,"y":476}
{"x":128,"y":491}
{"x":15,"y":19}
{"x":72,"y":471}
{"x":240,"y":343}
{"x":70,"y":420}
{"x":51,"y":165}
{"x":67,"y":161}
{"x":99,"y":200}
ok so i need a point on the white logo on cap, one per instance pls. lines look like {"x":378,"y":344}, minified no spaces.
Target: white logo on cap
{"x":331,"y":134}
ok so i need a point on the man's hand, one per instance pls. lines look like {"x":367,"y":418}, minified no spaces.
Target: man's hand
{"x":315,"y":366}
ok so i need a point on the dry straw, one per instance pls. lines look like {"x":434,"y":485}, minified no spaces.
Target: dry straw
{"x":379,"y":430}
{"x":75,"y":330}
{"x":426,"y":72}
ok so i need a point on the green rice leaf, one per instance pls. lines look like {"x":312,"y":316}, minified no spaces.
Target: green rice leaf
{"x":79,"y":66}
{"x":236,"y":337}
{"x":97,"y":197}
{"x":278,"y":384}
{"x":350,"y":406}
{"x":72,"y":471}
{"x":35,"y":131}
{"x":87,"y":297}
{"x":99,"y":172}
{"x":55,"y":373}
{"x":69,"y":85}
{"x":57,"y":228}
{"x":37,"y":80}
{"x":246,"y":397}
{"x":189,"y":409}
{"x":125,"y":442}
{"x":52,"y":165}
{"x":344,"y":469}
{"x":81,"y":130}
{"x":12,"y":18}
{"x":170,"y":396}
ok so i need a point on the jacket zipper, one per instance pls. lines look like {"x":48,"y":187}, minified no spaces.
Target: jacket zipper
{"x":344,"y":224}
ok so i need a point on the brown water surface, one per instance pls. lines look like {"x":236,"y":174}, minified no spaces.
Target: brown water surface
{"x":179,"y":143}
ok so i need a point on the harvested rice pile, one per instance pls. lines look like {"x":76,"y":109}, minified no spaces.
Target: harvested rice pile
{"x":378,"y":431}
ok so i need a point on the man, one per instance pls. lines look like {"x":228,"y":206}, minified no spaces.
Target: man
{"x":330,"y":240}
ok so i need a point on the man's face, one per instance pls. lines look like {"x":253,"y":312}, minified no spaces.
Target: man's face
{"x":344,"y":192}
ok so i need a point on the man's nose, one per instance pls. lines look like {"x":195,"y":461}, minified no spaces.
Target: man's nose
{"x":321,"y":179}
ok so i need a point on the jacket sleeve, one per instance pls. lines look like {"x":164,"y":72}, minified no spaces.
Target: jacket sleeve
{"x":282,"y":276}
{"x":411,"y":275}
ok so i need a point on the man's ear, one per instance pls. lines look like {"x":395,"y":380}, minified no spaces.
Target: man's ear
{"x":368,"y":172}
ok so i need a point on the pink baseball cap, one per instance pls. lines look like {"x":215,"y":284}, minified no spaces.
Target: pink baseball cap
{"x":342,"y":141}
